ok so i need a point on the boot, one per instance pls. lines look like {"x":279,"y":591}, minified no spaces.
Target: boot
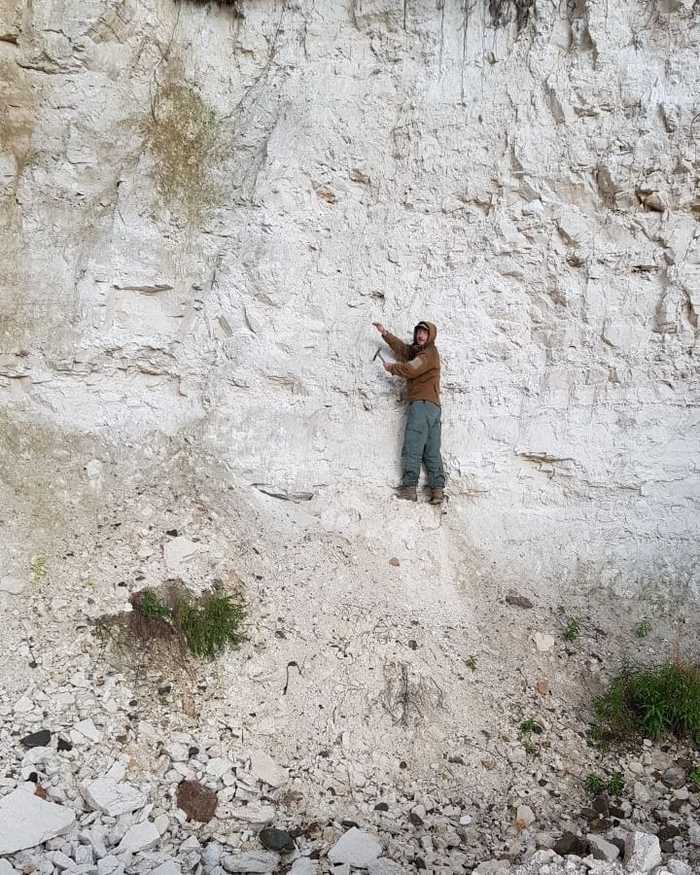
{"x":408,"y":493}
{"x":437,"y":495}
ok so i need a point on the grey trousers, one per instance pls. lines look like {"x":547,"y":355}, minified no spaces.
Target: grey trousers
{"x":422,"y":444}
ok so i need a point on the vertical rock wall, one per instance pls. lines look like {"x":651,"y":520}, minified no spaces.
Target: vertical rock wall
{"x":203,"y":207}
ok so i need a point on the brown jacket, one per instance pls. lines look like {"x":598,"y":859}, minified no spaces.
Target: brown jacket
{"x":420,"y":367}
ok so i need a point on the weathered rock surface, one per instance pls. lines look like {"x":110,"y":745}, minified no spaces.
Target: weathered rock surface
{"x":27,"y":821}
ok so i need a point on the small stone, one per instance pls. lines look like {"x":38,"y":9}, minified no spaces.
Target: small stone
{"x":111,"y":797}
{"x":356,"y":847}
{"x":211,"y":855}
{"x":276,"y":839}
{"x":518,"y":601}
{"x":140,"y":837}
{"x":264,"y":768}
{"x":641,"y":794}
{"x":218,"y":766}
{"x":642,"y":851}
{"x":674,"y":777}
{"x":524,"y":817}
{"x":602,"y":849}
{"x":27,"y":821}
{"x":543,"y":642}
{"x":395,"y":562}
{"x":88,"y":729}
{"x":256,"y":861}
{"x":36,"y":739}
{"x":381,"y":806}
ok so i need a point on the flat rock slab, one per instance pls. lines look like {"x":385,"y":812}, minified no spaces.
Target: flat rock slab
{"x":266,"y":769}
{"x":178,"y":552}
{"x":356,"y":847}
{"x":11,"y":585}
{"x":6,"y":868}
{"x":257,"y":861}
{"x":27,"y":821}
{"x":139,"y":838}
{"x":112,"y":797}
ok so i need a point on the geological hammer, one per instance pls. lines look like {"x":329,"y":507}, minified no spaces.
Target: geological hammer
{"x":378,"y":355}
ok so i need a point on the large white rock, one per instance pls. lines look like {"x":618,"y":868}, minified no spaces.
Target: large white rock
{"x":27,"y":821}
{"x":6,"y":868}
{"x":140,"y":837}
{"x":112,"y":797}
{"x":642,"y":851}
{"x":356,"y":847}
{"x":255,"y":861}
{"x":265,"y":769}
{"x":254,"y":814}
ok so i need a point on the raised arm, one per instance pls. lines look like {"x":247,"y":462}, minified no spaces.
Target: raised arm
{"x":400,"y":349}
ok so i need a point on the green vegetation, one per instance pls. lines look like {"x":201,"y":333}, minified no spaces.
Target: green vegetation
{"x":642,"y":629}
{"x":694,"y":777}
{"x":151,"y":606}
{"x":38,"y":566}
{"x":471,"y":663}
{"x":572,"y":630}
{"x":595,"y":785}
{"x":530,"y":727}
{"x":211,"y":625}
{"x":651,"y":702}
{"x":616,"y":784}
{"x":208,"y":624}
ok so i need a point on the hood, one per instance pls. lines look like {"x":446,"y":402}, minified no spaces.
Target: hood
{"x":432,"y":331}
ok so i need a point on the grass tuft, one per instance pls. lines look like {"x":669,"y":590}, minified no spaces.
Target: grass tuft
{"x":572,"y":630}
{"x":652,"y":702}
{"x":211,"y":625}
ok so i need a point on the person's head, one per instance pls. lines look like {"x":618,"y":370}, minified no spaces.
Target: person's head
{"x":421,"y":334}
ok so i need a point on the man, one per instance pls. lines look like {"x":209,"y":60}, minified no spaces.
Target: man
{"x":419,"y":365}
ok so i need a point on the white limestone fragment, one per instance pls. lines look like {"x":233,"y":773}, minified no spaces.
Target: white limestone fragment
{"x":257,"y":861}
{"x":140,"y":837}
{"x":356,"y":847}
{"x":265,"y":769}
{"x":178,"y":552}
{"x":27,"y":821}
{"x":642,"y":851}
{"x":112,"y":797}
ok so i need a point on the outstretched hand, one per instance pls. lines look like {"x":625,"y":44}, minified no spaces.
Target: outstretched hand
{"x":380,"y":328}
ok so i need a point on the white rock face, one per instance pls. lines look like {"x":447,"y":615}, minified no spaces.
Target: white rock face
{"x":214,"y":281}
{"x":27,"y":821}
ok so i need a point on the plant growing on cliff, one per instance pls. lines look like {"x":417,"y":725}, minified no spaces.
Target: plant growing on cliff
{"x":653,"y":702}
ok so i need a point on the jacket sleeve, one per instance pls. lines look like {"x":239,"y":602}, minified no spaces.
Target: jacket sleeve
{"x":417,"y":366}
{"x":400,"y":349}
